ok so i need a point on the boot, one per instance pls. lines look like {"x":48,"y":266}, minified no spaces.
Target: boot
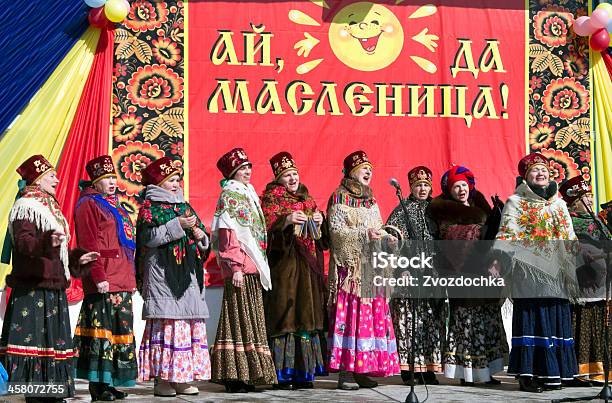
{"x":528,"y":384}
{"x":119,"y":395}
{"x":365,"y":382}
{"x":346,"y":381}
{"x":184,"y":388}
{"x":430,"y":378}
{"x":163,"y":388}
{"x":99,"y":392}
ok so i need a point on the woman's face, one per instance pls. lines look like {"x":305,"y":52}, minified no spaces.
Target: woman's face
{"x":421,"y":191}
{"x":48,"y":182}
{"x":578,"y":206}
{"x":107,"y":185}
{"x":460,"y":192}
{"x":244,"y":174}
{"x":173,"y":184}
{"x":363,"y":175}
{"x":539,"y":175}
{"x":290,"y":180}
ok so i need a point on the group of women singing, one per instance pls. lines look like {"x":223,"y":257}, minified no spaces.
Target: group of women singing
{"x":283,"y":321}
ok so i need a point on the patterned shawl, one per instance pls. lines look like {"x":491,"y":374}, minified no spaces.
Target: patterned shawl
{"x":277,"y":202}
{"x":238,"y":209}
{"x":180,"y":257}
{"x":530,"y":233}
{"x":125,"y":228}
{"x":42,"y":209}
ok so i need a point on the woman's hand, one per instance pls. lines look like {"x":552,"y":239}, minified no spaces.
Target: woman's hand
{"x":89,"y":257}
{"x":237,"y":279}
{"x":198,"y":233}
{"x":373,"y":234}
{"x":102,"y":287}
{"x":187,"y":222}
{"x":317,"y":217}
{"x":495,"y":269}
{"x":297,"y":217}
{"x":56,"y":238}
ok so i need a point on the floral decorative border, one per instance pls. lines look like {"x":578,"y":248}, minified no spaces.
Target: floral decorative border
{"x":559,"y":87}
{"x":148,"y":91}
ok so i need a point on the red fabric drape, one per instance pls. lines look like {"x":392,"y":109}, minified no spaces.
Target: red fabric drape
{"x":608,"y":61}
{"x":88,"y":137}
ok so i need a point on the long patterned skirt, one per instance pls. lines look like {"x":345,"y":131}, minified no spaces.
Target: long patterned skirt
{"x":476,"y":344}
{"x":174,"y":350}
{"x":361,"y":336}
{"x":588,"y":324}
{"x":430,"y":330}
{"x":542,"y":342}
{"x":36,"y":345}
{"x":104,"y":344}
{"x":299,"y":357}
{"x":241,"y":351}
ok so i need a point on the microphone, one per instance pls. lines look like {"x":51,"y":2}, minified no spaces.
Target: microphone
{"x":395,"y":183}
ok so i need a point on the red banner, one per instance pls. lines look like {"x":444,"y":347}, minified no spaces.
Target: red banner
{"x":409,"y":84}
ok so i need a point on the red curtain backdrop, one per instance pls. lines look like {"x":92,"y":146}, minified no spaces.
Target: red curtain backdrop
{"x":88,"y":137}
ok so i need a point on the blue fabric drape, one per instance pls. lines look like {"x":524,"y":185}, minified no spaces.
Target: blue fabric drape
{"x":35,"y":35}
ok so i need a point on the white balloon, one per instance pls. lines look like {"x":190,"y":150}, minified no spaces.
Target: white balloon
{"x":95,"y":3}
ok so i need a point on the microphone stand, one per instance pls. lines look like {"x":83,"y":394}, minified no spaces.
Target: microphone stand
{"x":412,"y":397}
{"x":606,"y":392}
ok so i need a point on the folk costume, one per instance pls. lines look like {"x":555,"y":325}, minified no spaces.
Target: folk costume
{"x":105,"y":350}
{"x":295,"y":307}
{"x":36,"y":344}
{"x":589,"y":311}
{"x":241,"y":357}
{"x":170,"y":263}
{"x":476,"y":342}
{"x":361,"y":336}
{"x":430,"y":313}
{"x":534,"y":220}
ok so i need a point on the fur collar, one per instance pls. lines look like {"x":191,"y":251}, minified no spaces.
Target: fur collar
{"x":445,"y":209}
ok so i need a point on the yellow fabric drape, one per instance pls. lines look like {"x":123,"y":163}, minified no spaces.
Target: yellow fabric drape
{"x":602,"y":124}
{"x":43,"y":126}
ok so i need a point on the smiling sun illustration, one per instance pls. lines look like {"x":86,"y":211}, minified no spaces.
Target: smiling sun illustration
{"x":364,"y":36}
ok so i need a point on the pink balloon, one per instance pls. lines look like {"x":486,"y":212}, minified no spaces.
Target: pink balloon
{"x":583,"y":27}
{"x":600,"y":40}
{"x":599,"y":18}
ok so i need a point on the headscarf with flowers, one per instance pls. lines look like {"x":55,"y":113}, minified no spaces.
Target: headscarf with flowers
{"x":534,"y":235}
{"x":238,"y":209}
{"x":180,"y":257}
{"x":277,"y":202}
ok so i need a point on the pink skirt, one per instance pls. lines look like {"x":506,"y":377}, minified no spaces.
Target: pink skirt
{"x":361,"y":338}
{"x":174,"y":350}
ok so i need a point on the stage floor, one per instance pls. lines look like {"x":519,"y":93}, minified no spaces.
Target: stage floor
{"x":390,"y":389}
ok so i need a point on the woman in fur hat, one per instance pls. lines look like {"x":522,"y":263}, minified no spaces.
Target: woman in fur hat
{"x":476,"y":342}
{"x":36,"y":345}
{"x":172,"y":246}
{"x":295,"y":307}
{"x":358,"y":317}
{"x":534,"y":244}
{"x":241,"y":358}
{"x":430,"y":313}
